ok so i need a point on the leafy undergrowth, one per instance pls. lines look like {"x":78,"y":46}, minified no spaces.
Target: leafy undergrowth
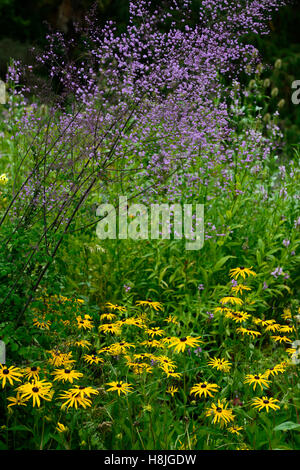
{"x":136,"y":377}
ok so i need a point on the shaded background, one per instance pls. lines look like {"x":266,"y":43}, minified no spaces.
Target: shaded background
{"x":23,"y":24}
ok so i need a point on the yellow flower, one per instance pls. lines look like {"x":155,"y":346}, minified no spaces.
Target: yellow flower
{"x":9,"y":374}
{"x":83,"y":344}
{"x":113,"y":328}
{"x":16,"y":401}
{"x":156,"y":305}
{"x":3,"y":179}
{"x":66,"y":375}
{"x":275,"y":370}
{"x":241,"y":271}
{"x":258,"y":379}
{"x":120,"y":387}
{"x":265,"y":403}
{"x":232,"y":300}
{"x":116,"y":307}
{"x":239,"y":289}
{"x":287,"y":314}
{"x":84,"y":323}
{"x":120,"y":348}
{"x":179,"y":344}
{"x":73,"y":398}
{"x":58,"y":358}
{"x":238,"y":317}
{"x":220,"y":413}
{"x":171,"y":319}
{"x":108,"y":316}
{"x":248,"y":332}
{"x":92,"y":359}
{"x":172,"y":390}
{"x":220,"y":364}
{"x":37,"y":390}
{"x":61,"y":428}
{"x":155,"y":331}
{"x":281,"y":339}
{"x":31,"y":372}
{"x":204,"y":388}
{"x":235,"y":429}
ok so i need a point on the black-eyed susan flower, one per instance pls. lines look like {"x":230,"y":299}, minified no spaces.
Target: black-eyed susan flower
{"x":258,"y":379}
{"x":264,"y":323}
{"x":248,"y":332}
{"x":171,"y":319}
{"x":153,"y":343}
{"x":272,"y":327}
{"x":172,"y":390}
{"x":84,"y":322}
{"x":238,"y":317}
{"x":235,"y":429}
{"x":222,"y":310}
{"x":155,"y":331}
{"x":32,"y":372}
{"x":116,"y":307}
{"x":180,"y":344}
{"x":10,"y":374}
{"x":73,"y":399}
{"x":167,"y":340}
{"x":66,"y":375}
{"x":265,"y":403}
{"x":120,"y":348}
{"x":83,"y":391}
{"x":113,"y":328}
{"x":231,"y":300}
{"x":156,"y":305}
{"x":220,"y":413}
{"x":140,"y":367}
{"x":220,"y":364}
{"x":119,"y":387}
{"x":83,"y":343}
{"x":286,"y":329}
{"x":239,"y":289}
{"x":166,"y":362}
{"x":41,"y":323}
{"x":60,"y":359}
{"x":287,"y":314}
{"x":275,"y":370}
{"x":37,"y":390}
{"x":204,"y":388}
{"x":172,"y":374}
{"x":92,"y":359}
{"x":61,"y":428}
{"x":16,"y":401}
{"x":241,"y":271}
{"x":108,"y":316}
{"x":281,"y":339}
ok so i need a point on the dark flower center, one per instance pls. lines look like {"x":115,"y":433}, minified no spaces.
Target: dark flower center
{"x":219,"y":410}
{"x":183,"y":339}
{"x":119,"y":385}
{"x":257,"y":377}
{"x":33,"y":369}
{"x":5,"y":371}
{"x":203,"y":386}
{"x":81,"y":387}
{"x":242,"y":267}
{"x":266,"y":402}
{"x":67,"y":371}
{"x":35,"y":389}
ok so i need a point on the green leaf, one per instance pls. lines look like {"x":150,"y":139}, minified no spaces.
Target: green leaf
{"x":287,"y":426}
